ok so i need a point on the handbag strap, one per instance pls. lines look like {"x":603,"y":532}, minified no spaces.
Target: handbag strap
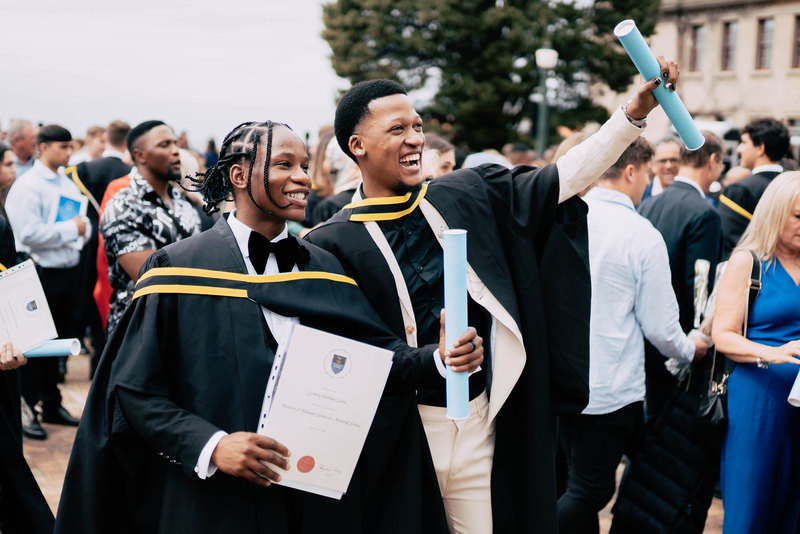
{"x":754,"y":287}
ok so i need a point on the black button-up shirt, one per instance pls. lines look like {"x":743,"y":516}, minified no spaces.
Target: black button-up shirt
{"x":420,"y":258}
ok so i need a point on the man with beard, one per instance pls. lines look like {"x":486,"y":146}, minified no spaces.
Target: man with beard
{"x":147,"y":215}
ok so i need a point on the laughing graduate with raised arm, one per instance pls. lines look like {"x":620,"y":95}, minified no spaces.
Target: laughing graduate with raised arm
{"x":528,"y":282}
{"x":168,"y":441}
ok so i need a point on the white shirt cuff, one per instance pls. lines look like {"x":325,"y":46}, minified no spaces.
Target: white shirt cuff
{"x":205,"y":467}
{"x":440,"y":366}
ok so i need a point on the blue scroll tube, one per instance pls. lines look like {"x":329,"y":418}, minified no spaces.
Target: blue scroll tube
{"x":636,"y":47}
{"x":794,"y":396}
{"x":55,"y":347}
{"x":455,"y":317}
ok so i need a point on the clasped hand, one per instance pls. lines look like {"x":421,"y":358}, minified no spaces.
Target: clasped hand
{"x":466,"y":355}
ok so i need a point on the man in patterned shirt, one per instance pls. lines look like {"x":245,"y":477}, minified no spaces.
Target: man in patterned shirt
{"x":147,"y":215}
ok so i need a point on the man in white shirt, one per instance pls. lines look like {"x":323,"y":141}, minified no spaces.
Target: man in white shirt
{"x":631,"y":298}
{"x":22,"y":138}
{"x":54,"y":240}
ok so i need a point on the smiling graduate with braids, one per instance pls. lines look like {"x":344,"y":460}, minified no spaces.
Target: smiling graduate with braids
{"x":168,"y":441}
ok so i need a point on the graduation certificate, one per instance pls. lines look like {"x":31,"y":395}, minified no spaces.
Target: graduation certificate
{"x":25,"y":317}
{"x":321,"y":397}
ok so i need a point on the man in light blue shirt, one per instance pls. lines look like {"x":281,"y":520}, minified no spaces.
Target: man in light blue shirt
{"x":33,"y":207}
{"x":632,"y":298}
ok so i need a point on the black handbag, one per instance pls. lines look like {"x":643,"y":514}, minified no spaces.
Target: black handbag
{"x":713,"y":406}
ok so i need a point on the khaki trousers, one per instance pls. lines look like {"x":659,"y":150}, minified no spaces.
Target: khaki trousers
{"x":462,"y":452}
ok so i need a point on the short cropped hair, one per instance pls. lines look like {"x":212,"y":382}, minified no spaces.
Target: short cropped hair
{"x":94,"y":131}
{"x":53,"y":133}
{"x":697,"y":158}
{"x":354,"y":106}
{"x":770,"y":133}
{"x":117,"y":132}
{"x":438,"y":143}
{"x":637,"y":154}
{"x":139,"y":130}
{"x":17,"y":127}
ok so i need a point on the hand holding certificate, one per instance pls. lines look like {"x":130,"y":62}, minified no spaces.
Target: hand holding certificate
{"x":25,"y":318}
{"x":320,"y":400}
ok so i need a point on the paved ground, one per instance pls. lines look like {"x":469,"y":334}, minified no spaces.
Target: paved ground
{"x":48,"y":458}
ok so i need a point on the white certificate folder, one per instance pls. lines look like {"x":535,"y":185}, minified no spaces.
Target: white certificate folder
{"x":25,"y":317}
{"x":321,"y":397}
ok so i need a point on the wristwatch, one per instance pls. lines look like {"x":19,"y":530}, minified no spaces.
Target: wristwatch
{"x":639,"y":123}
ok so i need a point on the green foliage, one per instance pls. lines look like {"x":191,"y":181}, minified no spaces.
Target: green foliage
{"x":480,"y":53}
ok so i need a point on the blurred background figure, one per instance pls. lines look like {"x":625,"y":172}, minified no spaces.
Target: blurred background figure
{"x":93,"y":146}
{"x":735,"y":174}
{"x":521,"y":154}
{"x":665,"y":166}
{"x":212,"y":154}
{"x":22,"y":136}
{"x":486,"y":156}
{"x":438,"y":157}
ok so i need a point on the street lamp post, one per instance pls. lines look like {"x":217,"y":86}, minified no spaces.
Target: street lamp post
{"x":546,"y":59}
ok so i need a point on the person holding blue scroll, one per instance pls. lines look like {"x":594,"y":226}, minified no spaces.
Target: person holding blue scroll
{"x":528,"y":284}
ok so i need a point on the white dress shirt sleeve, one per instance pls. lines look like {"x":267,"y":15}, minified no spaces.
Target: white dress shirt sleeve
{"x":656,"y":307}
{"x":205,"y":467}
{"x":586,"y":162}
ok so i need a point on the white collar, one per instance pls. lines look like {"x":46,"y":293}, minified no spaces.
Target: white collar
{"x":692,"y":183}
{"x":111,"y":153}
{"x":769,"y":167}
{"x":242,"y":234}
{"x":606,"y":194}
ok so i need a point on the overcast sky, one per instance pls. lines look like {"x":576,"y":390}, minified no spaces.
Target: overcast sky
{"x":203,"y":66}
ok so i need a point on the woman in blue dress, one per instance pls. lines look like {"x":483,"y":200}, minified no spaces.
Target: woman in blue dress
{"x":760,"y":474}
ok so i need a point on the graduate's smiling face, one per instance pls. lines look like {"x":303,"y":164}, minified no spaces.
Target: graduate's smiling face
{"x":287,"y":177}
{"x":388,"y":145}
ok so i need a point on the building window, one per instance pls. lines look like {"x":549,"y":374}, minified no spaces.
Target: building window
{"x":696,"y":47}
{"x":730,"y":33}
{"x":764,"y":49}
{"x":796,"y":51}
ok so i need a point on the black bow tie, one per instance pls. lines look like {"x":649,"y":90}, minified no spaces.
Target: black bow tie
{"x":286,"y":252}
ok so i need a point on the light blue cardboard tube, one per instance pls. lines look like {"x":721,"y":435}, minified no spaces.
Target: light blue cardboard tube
{"x":633,"y":42}
{"x":794,"y":395}
{"x":55,"y":347}
{"x":455,"y":317}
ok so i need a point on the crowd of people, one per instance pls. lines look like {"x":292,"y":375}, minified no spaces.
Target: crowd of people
{"x":582,"y":285}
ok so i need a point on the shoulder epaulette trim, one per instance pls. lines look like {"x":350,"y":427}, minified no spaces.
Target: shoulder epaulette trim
{"x":147,"y":284}
{"x":72,"y":172}
{"x":736,"y":207}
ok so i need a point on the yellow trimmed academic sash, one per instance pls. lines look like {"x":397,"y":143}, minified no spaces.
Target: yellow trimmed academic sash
{"x":386,"y":208}
{"x":2,"y":267}
{"x":149,"y":282}
{"x":736,"y":207}
{"x":72,"y":172}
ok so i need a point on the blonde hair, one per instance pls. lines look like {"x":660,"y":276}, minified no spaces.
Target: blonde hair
{"x":763,"y":234}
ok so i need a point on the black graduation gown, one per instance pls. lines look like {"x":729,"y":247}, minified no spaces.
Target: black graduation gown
{"x":23,"y":508}
{"x":206,"y":354}
{"x":532,"y":255}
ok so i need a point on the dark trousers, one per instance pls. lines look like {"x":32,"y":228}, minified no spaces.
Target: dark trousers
{"x":40,"y":375}
{"x":594,"y":445}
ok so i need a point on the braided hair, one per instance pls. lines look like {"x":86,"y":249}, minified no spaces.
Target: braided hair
{"x":239,"y":145}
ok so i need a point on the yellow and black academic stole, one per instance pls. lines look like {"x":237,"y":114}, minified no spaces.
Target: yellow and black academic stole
{"x":386,"y":208}
{"x":190,"y":281}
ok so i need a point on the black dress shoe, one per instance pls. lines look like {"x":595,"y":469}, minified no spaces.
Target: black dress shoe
{"x":59,"y":416}
{"x":34,"y":430}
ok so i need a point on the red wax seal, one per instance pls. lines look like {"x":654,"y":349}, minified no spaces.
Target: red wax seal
{"x":305,"y":464}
